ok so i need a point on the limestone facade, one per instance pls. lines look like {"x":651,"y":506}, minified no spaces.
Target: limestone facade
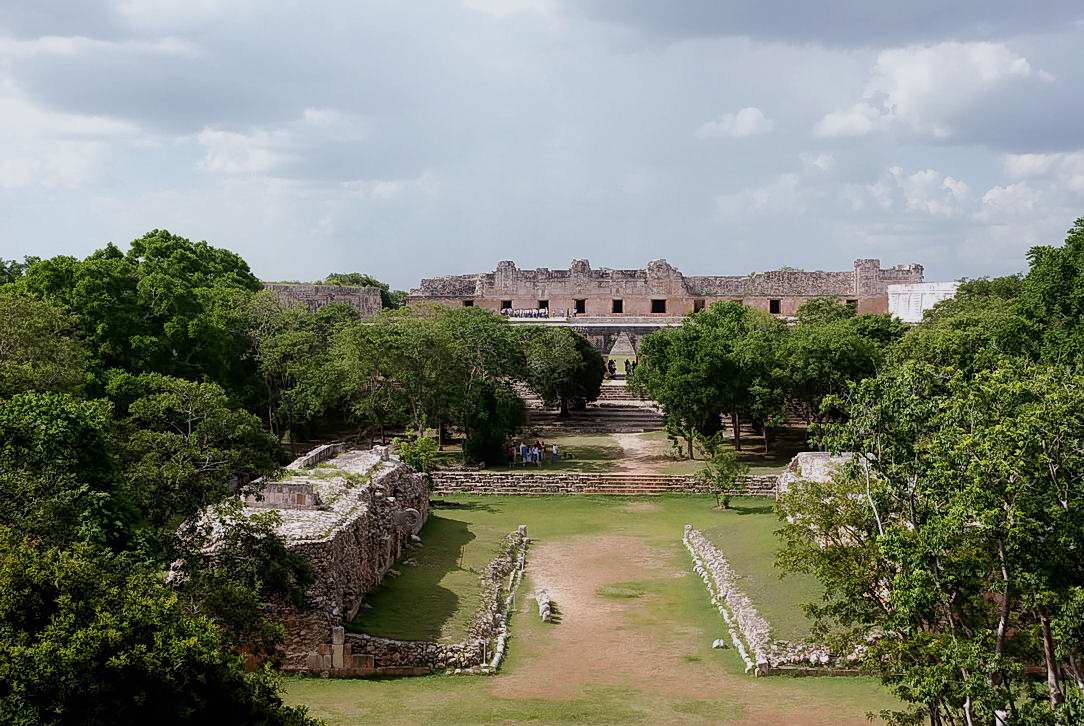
{"x":661,"y":290}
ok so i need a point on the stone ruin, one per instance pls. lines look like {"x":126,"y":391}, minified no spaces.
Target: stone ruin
{"x":366,"y":300}
{"x":351,"y":514}
{"x":660,"y":289}
{"x":818,"y":466}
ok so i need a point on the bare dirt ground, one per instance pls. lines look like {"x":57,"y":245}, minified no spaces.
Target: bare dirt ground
{"x":631,"y":642}
{"x":640,"y":455}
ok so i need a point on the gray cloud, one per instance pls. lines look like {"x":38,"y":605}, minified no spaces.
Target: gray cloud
{"x":835,"y":22}
{"x":409,"y":139}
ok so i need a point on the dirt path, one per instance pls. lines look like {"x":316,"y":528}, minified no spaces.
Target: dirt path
{"x":640,"y":455}
{"x":633,"y":643}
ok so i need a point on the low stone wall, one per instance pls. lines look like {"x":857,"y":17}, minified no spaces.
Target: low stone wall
{"x":749,"y":631}
{"x":318,"y":455}
{"x":359,"y":654}
{"x":454,"y":481}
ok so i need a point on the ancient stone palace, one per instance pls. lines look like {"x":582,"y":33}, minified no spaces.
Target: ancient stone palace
{"x":660,"y":290}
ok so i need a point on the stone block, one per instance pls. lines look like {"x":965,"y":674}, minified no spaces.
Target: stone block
{"x":337,"y":656}
{"x":338,"y":635}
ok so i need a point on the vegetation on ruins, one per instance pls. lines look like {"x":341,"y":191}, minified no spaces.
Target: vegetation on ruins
{"x":388,"y":298}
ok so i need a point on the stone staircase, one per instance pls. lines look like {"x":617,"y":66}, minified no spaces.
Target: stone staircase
{"x":616,"y":391}
{"x":599,"y":418}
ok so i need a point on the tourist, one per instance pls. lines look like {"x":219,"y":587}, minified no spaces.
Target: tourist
{"x":511,"y":454}
{"x":611,"y":367}
{"x":628,"y":367}
{"x":553,"y":454}
{"x":523,"y":452}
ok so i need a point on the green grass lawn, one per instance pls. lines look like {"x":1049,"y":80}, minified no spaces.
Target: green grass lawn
{"x":784,"y":444}
{"x":664,"y":603}
{"x":578,"y":452}
{"x":436,"y":599}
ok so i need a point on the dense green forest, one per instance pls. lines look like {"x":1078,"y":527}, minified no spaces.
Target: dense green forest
{"x":138,"y":388}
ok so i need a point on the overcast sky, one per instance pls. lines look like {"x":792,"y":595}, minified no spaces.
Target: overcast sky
{"x":411,"y":138}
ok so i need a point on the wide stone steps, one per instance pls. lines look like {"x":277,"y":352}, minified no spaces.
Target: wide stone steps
{"x":602,"y":418}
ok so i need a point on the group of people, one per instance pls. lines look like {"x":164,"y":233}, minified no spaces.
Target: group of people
{"x":611,"y":367}
{"x":523,"y":453}
{"x":530,"y":313}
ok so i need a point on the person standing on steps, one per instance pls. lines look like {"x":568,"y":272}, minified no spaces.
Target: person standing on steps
{"x":553,"y":454}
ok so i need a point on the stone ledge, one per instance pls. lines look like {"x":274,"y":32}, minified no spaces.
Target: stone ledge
{"x":535,"y":484}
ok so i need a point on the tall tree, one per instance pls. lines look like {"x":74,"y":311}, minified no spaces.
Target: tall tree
{"x":562,"y":367}
{"x":38,"y":348}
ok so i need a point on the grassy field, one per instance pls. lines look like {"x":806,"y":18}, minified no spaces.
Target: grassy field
{"x":463,"y":533}
{"x":595,"y":453}
{"x":783,"y":446}
{"x":648,"y":660}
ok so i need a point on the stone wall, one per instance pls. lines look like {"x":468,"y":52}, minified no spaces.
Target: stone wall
{"x":513,"y":484}
{"x":366,"y":300}
{"x":750,"y":633}
{"x":360,"y":654}
{"x":350,"y":517}
{"x":865,"y":283}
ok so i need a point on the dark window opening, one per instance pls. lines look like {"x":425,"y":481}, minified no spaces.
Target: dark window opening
{"x":506,"y":304}
{"x":773,"y":307}
{"x":852,"y":304}
{"x":618,"y":306}
{"x":543,"y":304}
{"x":581,"y":306}
{"x":468,"y":303}
{"x":698,"y":305}
{"x":658,"y":306}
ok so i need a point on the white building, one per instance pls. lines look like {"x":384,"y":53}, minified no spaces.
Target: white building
{"x":909,"y":302}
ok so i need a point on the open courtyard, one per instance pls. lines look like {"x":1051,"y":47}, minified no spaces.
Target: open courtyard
{"x":631,"y":640}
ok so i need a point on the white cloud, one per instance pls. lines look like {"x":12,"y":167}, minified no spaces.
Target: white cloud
{"x":229,"y":152}
{"x":749,"y":121}
{"x":1013,"y":202}
{"x":49,"y":149}
{"x":385,"y":189}
{"x":859,"y":120}
{"x":1062,"y":169}
{"x":172,"y":15}
{"x":927,"y":89}
{"x":819,"y":161}
{"x":1020,"y":166}
{"x":926,"y":191}
{"x":504,"y":8}
{"x":784,"y":195}
{"x":71,"y":45}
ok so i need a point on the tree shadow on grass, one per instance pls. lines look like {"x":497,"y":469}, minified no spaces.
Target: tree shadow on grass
{"x":435,"y":504}
{"x":415,"y":605}
{"x":743,"y":509}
